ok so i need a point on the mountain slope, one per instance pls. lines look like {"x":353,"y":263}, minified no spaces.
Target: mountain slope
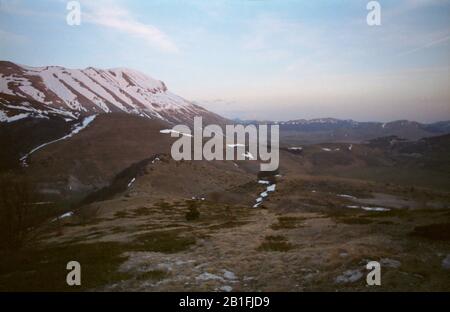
{"x":91,"y":158}
{"x":72,"y":93}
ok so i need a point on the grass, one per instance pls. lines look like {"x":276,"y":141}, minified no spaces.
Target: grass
{"x":121,"y":214}
{"x":276,"y":243}
{"x":354,"y":220}
{"x":142,"y":211}
{"x":45,"y":269}
{"x":436,"y":231}
{"x":227,"y":225}
{"x":154,"y":275}
{"x":287,"y":223}
{"x":163,"y":205}
{"x":398,"y":213}
{"x":162,"y":241}
{"x":276,"y":238}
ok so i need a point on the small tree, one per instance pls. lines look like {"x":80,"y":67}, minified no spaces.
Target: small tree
{"x":193,"y":213}
{"x":16,"y":198}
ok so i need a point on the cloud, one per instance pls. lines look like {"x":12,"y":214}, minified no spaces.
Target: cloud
{"x":106,"y":13}
{"x":111,"y":15}
{"x":426,"y":46}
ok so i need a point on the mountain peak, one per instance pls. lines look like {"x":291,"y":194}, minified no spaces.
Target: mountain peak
{"x":81,"y":92}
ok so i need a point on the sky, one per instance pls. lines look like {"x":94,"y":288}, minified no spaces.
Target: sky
{"x":254,"y":59}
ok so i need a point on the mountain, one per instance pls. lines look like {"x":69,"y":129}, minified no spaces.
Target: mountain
{"x":41,"y":92}
{"x":73,"y":130}
{"x":323,"y":130}
{"x":439,"y":127}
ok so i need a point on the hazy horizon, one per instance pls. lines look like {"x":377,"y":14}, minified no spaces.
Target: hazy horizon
{"x":255,"y":59}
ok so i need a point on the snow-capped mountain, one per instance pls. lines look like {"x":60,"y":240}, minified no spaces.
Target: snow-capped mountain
{"x":73,"y":93}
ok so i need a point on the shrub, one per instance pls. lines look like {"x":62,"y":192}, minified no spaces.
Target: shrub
{"x":193,"y":213}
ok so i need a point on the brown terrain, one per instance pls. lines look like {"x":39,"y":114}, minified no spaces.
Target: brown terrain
{"x":141,"y":221}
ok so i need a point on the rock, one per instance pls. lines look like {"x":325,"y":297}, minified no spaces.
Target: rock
{"x":226,"y":288}
{"x":229,"y":275}
{"x":390,"y":263}
{"x":446,"y":263}
{"x":165,"y":266}
{"x":349,"y":276}
{"x":208,"y":276}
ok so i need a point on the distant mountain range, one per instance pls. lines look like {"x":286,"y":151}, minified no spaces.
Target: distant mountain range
{"x":336,"y":130}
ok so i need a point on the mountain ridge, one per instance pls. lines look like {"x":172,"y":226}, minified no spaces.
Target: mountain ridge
{"x":75,"y":93}
{"x":321,"y":130}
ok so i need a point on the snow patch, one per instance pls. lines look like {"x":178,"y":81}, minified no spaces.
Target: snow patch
{"x":265,"y":194}
{"x":5,"y":118}
{"x":131,"y":182}
{"x":63,"y":216}
{"x":375,"y":209}
{"x":326,"y":149}
{"x":156,"y":160}
{"x":170,"y":131}
{"x":346,"y":196}
{"x":86,"y":121}
{"x":248,"y":155}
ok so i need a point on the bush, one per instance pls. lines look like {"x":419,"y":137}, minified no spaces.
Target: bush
{"x":193,"y":213}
